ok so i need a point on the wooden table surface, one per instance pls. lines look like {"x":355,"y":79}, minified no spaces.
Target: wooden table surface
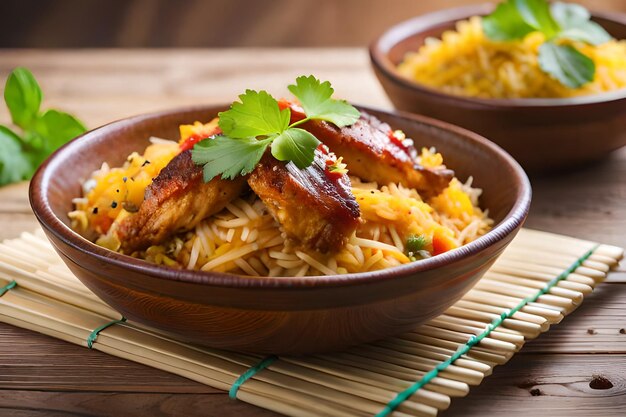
{"x":577,"y":369}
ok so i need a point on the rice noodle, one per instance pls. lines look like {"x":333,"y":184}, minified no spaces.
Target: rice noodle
{"x":366,"y":243}
{"x":315,"y":264}
{"x":230,"y":256}
{"x":244,"y":238}
{"x":195,"y":252}
{"x":245,"y":267}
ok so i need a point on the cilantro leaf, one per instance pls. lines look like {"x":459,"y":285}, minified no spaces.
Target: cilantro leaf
{"x":505,"y":23}
{"x":257,"y":114}
{"x":315,"y":98}
{"x":566,"y":64}
{"x":23,"y":97}
{"x":536,"y":13}
{"x":576,"y":24}
{"x":228,"y":156}
{"x":296,"y":145}
{"x":255,"y":122}
{"x":14,"y":166}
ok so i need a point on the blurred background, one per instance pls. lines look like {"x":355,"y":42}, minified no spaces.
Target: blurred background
{"x":213,"y":23}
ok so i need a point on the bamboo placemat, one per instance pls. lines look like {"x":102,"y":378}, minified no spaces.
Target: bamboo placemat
{"x":539,"y":279}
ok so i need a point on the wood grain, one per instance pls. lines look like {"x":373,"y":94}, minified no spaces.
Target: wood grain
{"x":159,"y":23}
{"x":105,"y":404}
{"x":549,"y":385}
{"x":109,"y":84}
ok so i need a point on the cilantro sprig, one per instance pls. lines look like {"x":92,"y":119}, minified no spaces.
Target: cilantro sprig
{"x":256,"y":122}
{"x":42,"y":132}
{"x":514,"y":19}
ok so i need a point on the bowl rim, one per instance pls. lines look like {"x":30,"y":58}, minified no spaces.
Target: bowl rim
{"x":39,"y":184}
{"x":381,"y":45}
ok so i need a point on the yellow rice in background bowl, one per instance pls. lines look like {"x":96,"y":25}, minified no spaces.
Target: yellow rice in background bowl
{"x":245,"y":239}
{"x":467,"y":63}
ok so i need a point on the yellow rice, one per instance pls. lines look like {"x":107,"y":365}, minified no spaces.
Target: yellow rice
{"x":465,"y":62}
{"x":245,"y":239}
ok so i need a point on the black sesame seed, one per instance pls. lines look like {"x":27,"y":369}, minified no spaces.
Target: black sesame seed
{"x":146,"y":162}
{"x":95,"y":210}
{"x":114,"y":204}
{"x":125,"y":179}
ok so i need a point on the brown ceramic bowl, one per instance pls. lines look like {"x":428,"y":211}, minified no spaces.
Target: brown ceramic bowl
{"x":277,"y":315}
{"x":541,"y":134}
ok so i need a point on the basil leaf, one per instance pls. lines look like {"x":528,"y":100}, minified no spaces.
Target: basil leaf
{"x":257,"y":114}
{"x":317,"y":102}
{"x":536,"y":13}
{"x":296,"y":145}
{"x":23,"y":97}
{"x":566,"y":64}
{"x":569,"y":15}
{"x":588,"y":32}
{"x":505,"y":23}
{"x":228,"y":156}
{"x":576,"y":24}
{"x":14,"y":166}
{"x":56,"y":128}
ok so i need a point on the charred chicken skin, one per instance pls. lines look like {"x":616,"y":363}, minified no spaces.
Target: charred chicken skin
{"x":177,"y":200}
{"x":313,"y":207}
{"x":373,"y":154}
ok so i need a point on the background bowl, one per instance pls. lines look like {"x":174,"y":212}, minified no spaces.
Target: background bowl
{"x":542,"y":134}
{"x":277,"y":315}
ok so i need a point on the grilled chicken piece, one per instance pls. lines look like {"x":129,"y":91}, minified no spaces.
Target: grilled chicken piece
{"x":370,"y":152}
{"x":312,"y":206}
{"x":177,"y":200}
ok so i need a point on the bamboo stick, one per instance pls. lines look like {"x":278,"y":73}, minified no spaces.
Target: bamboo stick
{"x":525,"y":323}
{"x":363,"y":381}
{"x":442,"y":385}
{"x":461,"y":327}
{"x":358,"y":382}
{"x":409,"y":350}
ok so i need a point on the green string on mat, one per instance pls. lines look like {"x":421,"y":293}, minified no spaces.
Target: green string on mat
{"x":474,"y":340}
{"x":7,"y":287}
{"x":94,"y":335}
{"x":264,"y":363}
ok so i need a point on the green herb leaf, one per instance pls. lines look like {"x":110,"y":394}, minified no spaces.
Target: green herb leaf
{"x":514,"y":19}
{"x":505,"y":23}
{"x":257,"y":114}
{"x":256,"y":121}
{"x":588,"y":32}
{"x":566,"y":64}
{"x":415,"y":243}
{"x":569,"y":15}
{"x":576,"y":24}
{"x":14,"y":166}
{"x":58,"y":128}
{"x":296,"y":145}
{"x":228,"y":156}
{"x":23,"y":97}
{"x":42,"y":133}
{"x":536,"y":13}
{"x":315,"y":98}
